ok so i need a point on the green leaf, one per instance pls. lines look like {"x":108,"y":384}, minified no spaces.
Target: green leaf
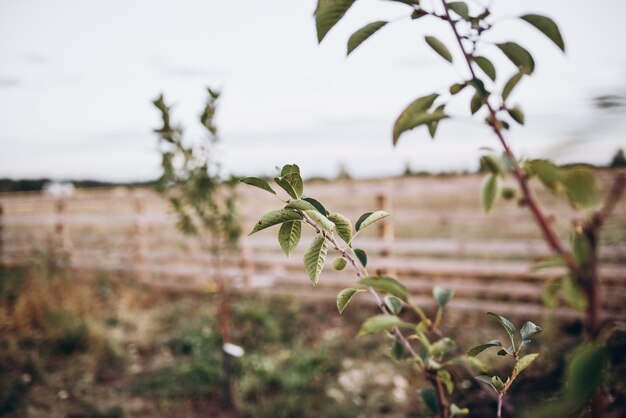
{"x":328,"y":13}
{"x":548,"y":173}
{"x":429,"y":397}
{"x":287,"y":186}
{"x":456,"y":88}
{"x":510,"y":85}
{"x":442,"y":296}
{"x":274,"y":218}
{"x":442,"y":347}
{"x":460,"y":8}
{"x":317,"y":205}
{"x":492,"y":164}
{"x":362,"y":34}
{"x":528,"y":330}
{"x":446,"y":379}
{"x":257,"y":182}
{"x":289,"y":169}
{"x":456,"y":411}
{"x":509,"y":193}
{"x":547,"y":27}
{"x":580,"y":186}
{"x":487,"y":67}
{"x":486,"y":379}
{"x":416,"y":114}
{"x":496,"y":382}
{"x":489,"y":191}
{"x":585,"y":370}
{"x":321,"y":220}
{"x":344,"y":297}
{"x":474,"y":351}
{"x":523,"y":363}
{"x":314,"y":259}
{"x":387,"y":285}
{"x":517,"y":114}
{"x":339,"y":263}
{"x":476,"y":103}
{"x":581,"y":248}
{"x":343,"y":226}
{"x":394,"y":304}
{"x":397,"y":350}
{"x":361,"y":255}
{"x":505,"y":352}
{"x":518,"y":56}
{"x":474,"y":363}
{"x":300,"y":204}
{"x":508,"y":325}
{"x":369,"y":218}
{"x":573,"y":294}
{"x":439,"y":47}
{"x":381,"y":323}
{"x":289,"y":236}
{"x":549,"y":293}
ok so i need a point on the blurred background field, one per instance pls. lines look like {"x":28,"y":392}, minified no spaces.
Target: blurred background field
{"x":106,"y":310}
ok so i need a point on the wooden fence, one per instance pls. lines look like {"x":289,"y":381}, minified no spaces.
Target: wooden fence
{"x":134,"y":232}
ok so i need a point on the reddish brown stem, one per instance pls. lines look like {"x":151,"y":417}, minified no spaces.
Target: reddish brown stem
{"x":444,"y":411}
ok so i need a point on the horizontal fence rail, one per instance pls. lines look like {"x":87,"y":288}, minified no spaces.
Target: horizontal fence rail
{"x":436,"y":236}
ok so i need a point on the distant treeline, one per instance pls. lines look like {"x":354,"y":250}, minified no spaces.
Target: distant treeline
{"x":34,"y":185}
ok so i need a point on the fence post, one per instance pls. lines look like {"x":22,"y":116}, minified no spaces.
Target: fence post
{"x":139,"y":240}
{"x":62,"y":239}
{"x":385,"y":230}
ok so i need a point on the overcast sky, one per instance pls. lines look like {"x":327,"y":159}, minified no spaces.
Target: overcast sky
{"x":77,"y":79}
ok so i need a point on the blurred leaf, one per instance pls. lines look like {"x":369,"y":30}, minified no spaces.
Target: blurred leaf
{"x":429,"y":397}
{"x":344,"y":297}
{"x":476,"y":103}
{"x":475,"y":363}
{"x":289,"y":236}
{"x":474,"y":351}
{"x":361,"y":255}
{"x":274,"y":218}
{"x":548,"y":173}
{"x":456,"y":411}
{"x":486,"y":379}
{"x":573,"y":294}
{"x":416,"y":114}
{"x":432,"y":126}
{"x":496,"y":382}
{"x":489,"y":191}
{"x":584,"y":372}
{"x":510,"y":85}
{"x":442,"y":296}
{"x":549,"y":293}
{"x":394,"y":304}
{"x":517,"y":114}
{"x":387,"y":285}
{"x":339,"y":263}
{"x":257,"y":182}
{"x":362,"y":34}
{"x":518,"y":56}
{"x":446,"y":379}
{"x":581,"y":249}
{"x":487,"y":67}
{"x":343,"y":225}
{"x":314,"y":259}
{"x":509,"y":193}
{"x":397,"y":350}
{"x":381,"y":323}
{"x":439,"y":47}
{"x":547,"y":26}
{"x":328,"y":13}
{"x":523,"y":363}
{"x":460,"y":8}
{"x":320,"y":220}
{"x":456,"y":88}
{"x":528,"y":330}
{"x":580,"y":186}
{"x":492,"y":164}
{"x":369,"y":218}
